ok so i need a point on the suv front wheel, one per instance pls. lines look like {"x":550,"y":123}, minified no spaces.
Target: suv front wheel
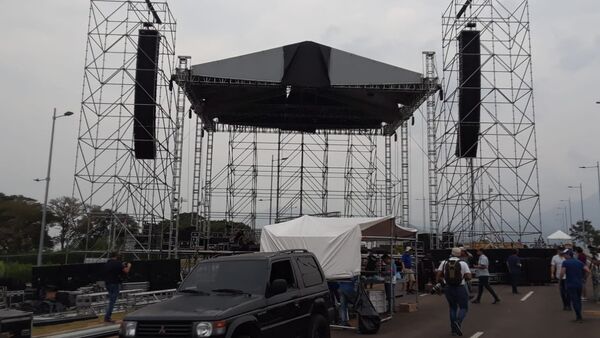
{"x":318,"y":327}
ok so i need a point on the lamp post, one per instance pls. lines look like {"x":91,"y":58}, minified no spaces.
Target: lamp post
{"x":271,"y":188}
{"x":582,"y":215}
{"x":570,"y":210}
{"x":564,"y":216}
{"x":47,"y":179}
{"x":597,"y":167}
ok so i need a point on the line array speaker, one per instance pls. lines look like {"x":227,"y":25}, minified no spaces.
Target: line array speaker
{"x":469,"y":95}
{"x":144,"y":124}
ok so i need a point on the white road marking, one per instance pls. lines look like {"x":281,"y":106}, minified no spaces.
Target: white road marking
{"x":527,"y":296}
{"x":424,"y":294}
{"x":477,"y":335}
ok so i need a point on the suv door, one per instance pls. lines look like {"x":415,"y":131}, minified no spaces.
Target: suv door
{"x":313,"y":287}
{"x":280,"y":318}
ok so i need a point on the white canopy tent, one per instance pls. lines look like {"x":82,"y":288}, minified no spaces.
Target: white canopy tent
{"x":559,"y":236}
{"x":334,"y":241}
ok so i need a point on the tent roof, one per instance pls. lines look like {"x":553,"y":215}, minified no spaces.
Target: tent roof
{"x":335,"y":241}
{"x":387,"y":227}
{"x":305,"y":87}
{"x":307,"y":64}
{"x":311,"y":226}
{"x":559,"y":235}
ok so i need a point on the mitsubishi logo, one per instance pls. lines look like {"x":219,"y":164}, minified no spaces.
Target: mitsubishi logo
{"x":162,"y":330}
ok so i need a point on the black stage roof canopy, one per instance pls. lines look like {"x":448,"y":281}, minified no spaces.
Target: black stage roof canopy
{"x":306,"y":87}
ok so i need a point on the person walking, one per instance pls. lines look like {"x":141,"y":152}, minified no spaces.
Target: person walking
{"x":574,"y":271}
{"x":453,"y":273}
{"x":114,"y":271}
{"x":595,"y":272}
{"x":514,"y":270}
{"x":483,"y":274}
{"x":407,"y":270}
{"x":555,"y":269}
{"x":582,"y":257}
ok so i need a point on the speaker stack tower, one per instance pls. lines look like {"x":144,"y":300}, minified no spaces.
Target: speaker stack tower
{"x":469,"y":105}
{"x":144,"y":124}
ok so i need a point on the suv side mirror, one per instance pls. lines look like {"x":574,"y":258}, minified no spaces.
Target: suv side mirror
{"x":277,"y":287}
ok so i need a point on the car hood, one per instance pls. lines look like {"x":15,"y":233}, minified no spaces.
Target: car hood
{"x":198,"y":307}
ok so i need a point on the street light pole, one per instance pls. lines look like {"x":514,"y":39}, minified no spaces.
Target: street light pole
{"x":580,"y":187}
{"x":47,"y":179}
{"x":570,"y":211}
{"x":564,"y":217}
{"x":597,"y":167}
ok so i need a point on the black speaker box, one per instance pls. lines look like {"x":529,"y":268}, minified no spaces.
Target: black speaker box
{"x":144,"y":124}
{"x":469,"y":95}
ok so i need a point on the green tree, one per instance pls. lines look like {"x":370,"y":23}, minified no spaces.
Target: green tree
{"x":587,"y":231}
{"x":93,"y":228}
{"x":20,"y":221}
{"x":67,"y":211}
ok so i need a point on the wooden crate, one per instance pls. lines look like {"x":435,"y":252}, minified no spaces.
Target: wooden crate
{"x":406,"y":307}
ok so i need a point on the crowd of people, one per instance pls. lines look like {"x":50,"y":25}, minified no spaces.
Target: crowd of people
{"x":570,"y":268}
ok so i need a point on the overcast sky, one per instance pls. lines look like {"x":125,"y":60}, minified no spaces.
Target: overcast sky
{"x":42,"y":51}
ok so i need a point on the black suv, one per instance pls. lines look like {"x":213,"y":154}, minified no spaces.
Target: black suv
{"x":278,"y":295}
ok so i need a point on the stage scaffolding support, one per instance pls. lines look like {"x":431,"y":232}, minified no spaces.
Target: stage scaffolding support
{"x":494,"y":196}
{"x":197,"y":174}
{"x":183,"y":67}
{"x":348,"y":173}
{"x":404,"y":178}
{"x":122,"y":195}
{"x":433,"y":186}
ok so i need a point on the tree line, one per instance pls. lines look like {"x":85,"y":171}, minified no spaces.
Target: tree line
{"x":75,"y":226}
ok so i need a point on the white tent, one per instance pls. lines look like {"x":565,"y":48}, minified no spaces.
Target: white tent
{"x":560,"y":236}
{"x":334,"y":241}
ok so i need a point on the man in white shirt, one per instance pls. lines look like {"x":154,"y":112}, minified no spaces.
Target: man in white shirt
{"x":555,"y":267}
{"x":453,"y":272}
{"x":483,"y":274}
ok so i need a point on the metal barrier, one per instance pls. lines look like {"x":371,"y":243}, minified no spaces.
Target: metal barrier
{"x":7,"y":298}
{"x":97,"y":302}
{"x":149,"y":297}
{"x":144,"y":286}
{"x":127,"y":301}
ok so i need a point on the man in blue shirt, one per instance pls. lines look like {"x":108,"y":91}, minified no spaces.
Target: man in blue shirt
{"x":574,"y":271}
{"x":407,"y":270}
{"x":514,"y":270}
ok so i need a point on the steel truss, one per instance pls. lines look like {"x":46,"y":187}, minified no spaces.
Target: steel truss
{"x":117,"y":189}
{"x":269,"y":176}
{"x":495,"y":196}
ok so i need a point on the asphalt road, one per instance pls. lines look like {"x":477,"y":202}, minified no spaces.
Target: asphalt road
{"x":539,"y":315}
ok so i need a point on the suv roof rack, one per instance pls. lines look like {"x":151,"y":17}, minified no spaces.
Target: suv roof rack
{"x":292,"y":251}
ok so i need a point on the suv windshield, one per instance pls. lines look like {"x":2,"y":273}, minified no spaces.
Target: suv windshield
{"x":246,"y":276}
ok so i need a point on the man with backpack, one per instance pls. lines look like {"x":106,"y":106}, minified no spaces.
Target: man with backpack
{"x":453,"y":273}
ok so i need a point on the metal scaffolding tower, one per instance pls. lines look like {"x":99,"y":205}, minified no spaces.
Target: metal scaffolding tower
{"x":278,"y":175}
{"x":495,"y":196}
{"x":183,"y":67}
{"x":431,"y":108}
{"x":121,"y":194}
{"x":404,"y":178}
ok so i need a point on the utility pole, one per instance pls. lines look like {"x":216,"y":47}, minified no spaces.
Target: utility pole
{"x":47,"y":179}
